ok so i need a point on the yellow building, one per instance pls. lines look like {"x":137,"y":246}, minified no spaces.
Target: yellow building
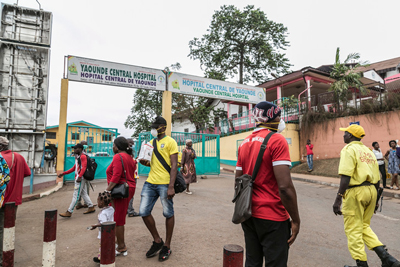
{"x":99,"y":139}
{"x":230,"y":145}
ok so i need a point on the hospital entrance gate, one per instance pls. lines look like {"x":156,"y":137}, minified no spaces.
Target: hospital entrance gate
{"x":207,"y":147}
{"x":100,"y":143}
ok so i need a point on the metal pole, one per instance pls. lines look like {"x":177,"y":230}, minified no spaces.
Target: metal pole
{"x":107,"y":253}
{"x":233,"y":256}
{"x":9,"y":234}
{"x":49,"y":238}
{"x":31,"y":182}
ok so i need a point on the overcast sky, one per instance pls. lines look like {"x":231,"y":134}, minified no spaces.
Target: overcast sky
{"x":156,"y":34}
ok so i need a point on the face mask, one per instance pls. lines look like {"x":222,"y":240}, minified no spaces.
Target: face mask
{"x":281,"y":126}
{"x":154,"y":132}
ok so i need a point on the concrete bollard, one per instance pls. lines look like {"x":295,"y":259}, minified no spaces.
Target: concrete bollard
{"x":233,"y":256}
{"x":9,"y":234}
{"x":49,"y":238}
{"x":107,"y":254}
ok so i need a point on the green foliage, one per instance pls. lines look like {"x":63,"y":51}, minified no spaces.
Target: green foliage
{"x":198,"y":110}
{"x":346,"y":75}
{"x":146,"y":106}
{"x":241,"y":42}
{"x":289,"y":102}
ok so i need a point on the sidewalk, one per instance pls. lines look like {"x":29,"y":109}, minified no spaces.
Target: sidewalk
{"x":322,"y":180}
{"x":42,"y":192}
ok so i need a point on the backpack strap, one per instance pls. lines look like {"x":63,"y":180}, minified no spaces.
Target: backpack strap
{"x":260,"y":156}
{"x":159,"y":157}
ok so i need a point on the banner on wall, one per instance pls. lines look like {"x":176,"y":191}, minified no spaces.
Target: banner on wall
{"x":198,"y":86}
{"x":109,"y":73}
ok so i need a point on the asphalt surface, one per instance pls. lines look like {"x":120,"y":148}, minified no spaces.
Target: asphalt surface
{"x":203,"y":226}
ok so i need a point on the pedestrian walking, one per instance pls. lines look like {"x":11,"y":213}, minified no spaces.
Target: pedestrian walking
{"x":393,"y":164}
{"x":131,"y":209}
{"x":381,"y":162}
{"x":188,"y":168}
{"x":359,"y":182}
{"x":4,"y":180}
{"x":120,"y":171}
{"x":160,"y":184}
{"x":269,"y":232}
{"x":80,"y":183}
{"x":310,"y":155}
{"x":79,"y":205}
{"x":106,"y":214}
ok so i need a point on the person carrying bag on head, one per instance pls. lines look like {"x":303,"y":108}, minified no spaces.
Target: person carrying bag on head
{"x":160,"y":184}
{"x":265,"y":215}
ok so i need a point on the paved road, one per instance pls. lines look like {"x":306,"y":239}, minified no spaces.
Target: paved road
{"x":203,"y":227}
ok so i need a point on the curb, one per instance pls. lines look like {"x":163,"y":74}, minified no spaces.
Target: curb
{"x":47,"y":193}
{"x":315,"y":181}
{"x":227,"y":170}
{"x":385,"y":193}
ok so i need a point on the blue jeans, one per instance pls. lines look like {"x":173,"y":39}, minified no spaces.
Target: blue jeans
{"x":150,"y":194}
{"x":310,"y":161}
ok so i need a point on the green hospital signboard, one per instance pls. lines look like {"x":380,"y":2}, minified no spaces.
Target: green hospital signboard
{"x":110,"y":73}
{"x":198,"y":86}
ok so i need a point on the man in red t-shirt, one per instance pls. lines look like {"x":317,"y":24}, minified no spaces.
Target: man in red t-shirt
{"x":80,"y":183}
{"x":18,"y":171}
{"x":274,"y":201}
{"x":310,"y":155}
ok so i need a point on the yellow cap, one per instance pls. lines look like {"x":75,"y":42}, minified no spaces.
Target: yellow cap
{"x":355,"y":130}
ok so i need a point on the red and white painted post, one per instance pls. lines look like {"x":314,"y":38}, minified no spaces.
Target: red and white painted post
{"x":49,"y":238}
{"x":233,"y":256}
{"x":107,"y":254}
{"x":9,"y":234}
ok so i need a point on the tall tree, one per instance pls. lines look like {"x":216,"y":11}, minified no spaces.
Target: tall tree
{"x":347,"y":75}
{"x":242,"y":42}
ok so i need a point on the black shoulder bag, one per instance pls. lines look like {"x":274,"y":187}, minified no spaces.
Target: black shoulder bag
{"x":121,"y":190}
{"x":180,"y":184}
{"x":244,"y":188}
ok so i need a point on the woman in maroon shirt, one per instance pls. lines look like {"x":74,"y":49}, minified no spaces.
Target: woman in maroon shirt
{"x":115,"y":175}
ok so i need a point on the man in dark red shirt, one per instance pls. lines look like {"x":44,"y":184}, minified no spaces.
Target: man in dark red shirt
{"x":18,"y":171}
{"x":274,"y":201}
{"x":80,"y":183}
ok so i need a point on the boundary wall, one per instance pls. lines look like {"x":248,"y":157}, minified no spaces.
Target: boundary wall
{"x":230,"y":144}
{"x":328,"y":139}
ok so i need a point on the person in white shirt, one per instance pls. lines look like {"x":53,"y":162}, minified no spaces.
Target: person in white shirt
{"x":381,"y":161}
{"x":106,"y":214}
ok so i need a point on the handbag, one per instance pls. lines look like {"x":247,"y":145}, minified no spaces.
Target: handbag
{"x":121,"y":190}
{"x":244,"y":188}
{"x":180,"y":184}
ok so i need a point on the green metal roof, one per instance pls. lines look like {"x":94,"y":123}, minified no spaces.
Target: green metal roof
{"x":73,"y":124}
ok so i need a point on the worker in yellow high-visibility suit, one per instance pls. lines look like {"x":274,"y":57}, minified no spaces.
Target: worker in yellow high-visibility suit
{"x":359,"y":171}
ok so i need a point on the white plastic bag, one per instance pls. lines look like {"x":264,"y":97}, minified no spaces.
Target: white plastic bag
{"x":146,"y":151}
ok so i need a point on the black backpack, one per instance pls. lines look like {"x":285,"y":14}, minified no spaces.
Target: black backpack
{"x":90,"y":169}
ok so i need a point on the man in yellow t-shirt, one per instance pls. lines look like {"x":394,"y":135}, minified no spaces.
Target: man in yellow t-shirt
{"x":160,"y":184}
{"x":359,"y":183}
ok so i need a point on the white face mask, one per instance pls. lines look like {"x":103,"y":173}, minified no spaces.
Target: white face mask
{"x":154,"y":133}
{"x":281,"y":126}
